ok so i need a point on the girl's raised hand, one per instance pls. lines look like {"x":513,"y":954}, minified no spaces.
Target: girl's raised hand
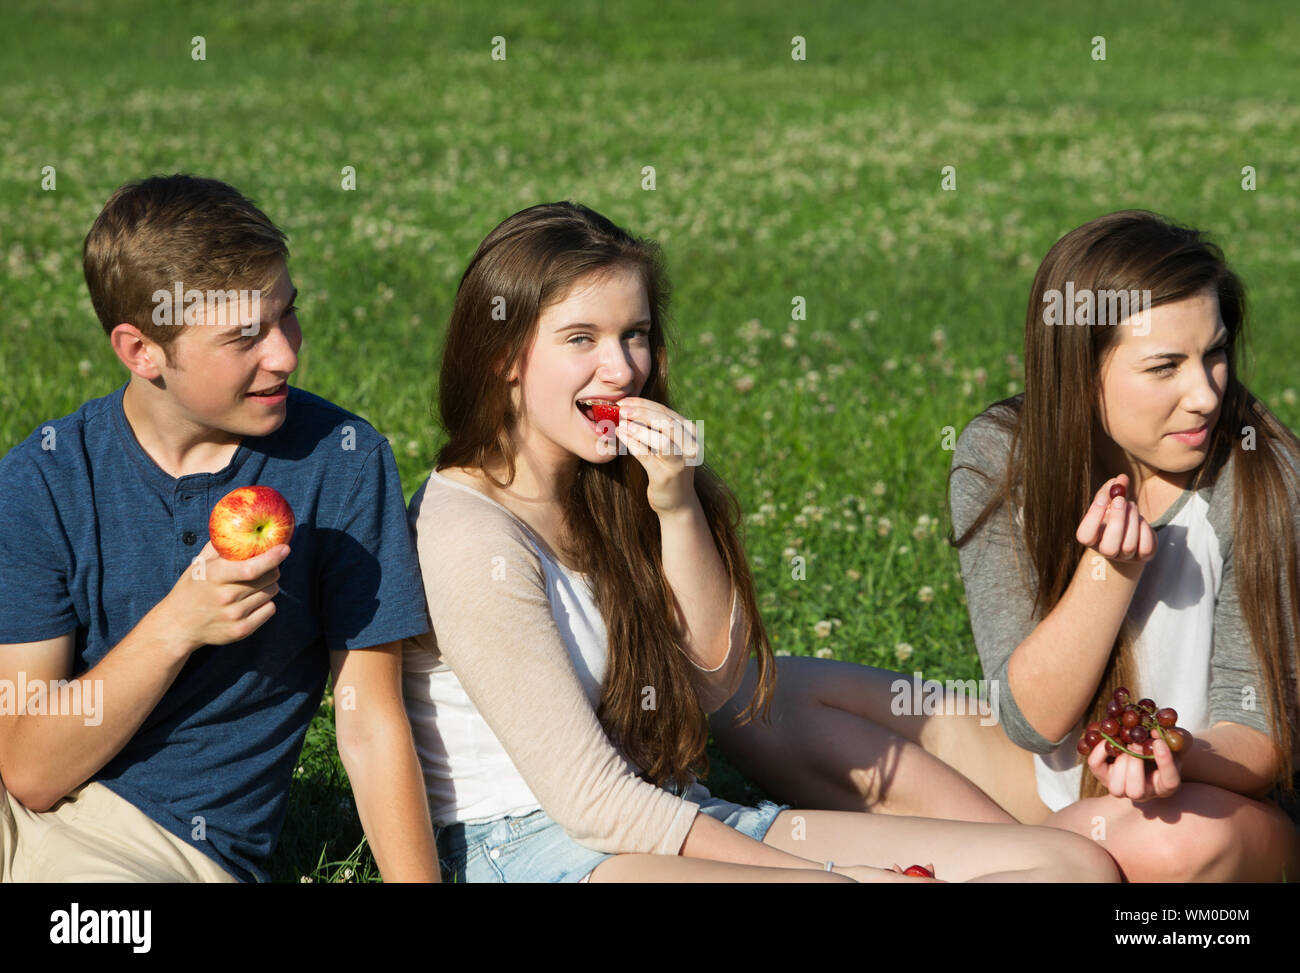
{"x":1114,"y":528}
{"x":665,"y":444}
{"x":1128,"y":777}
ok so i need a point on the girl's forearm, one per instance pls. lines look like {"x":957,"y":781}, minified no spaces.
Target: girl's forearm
{"x":1054,"y":673}
{"x":699,"y":582}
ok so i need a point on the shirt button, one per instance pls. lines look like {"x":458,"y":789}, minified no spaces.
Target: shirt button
{"x":189,"y":537}
{"x":494,"y":853}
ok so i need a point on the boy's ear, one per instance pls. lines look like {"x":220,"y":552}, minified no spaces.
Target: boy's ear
{"x":140,"y":355}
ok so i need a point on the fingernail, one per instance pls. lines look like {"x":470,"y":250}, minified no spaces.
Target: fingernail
{"x":1118,"y":503}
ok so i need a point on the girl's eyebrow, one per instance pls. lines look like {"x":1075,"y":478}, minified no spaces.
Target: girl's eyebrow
{"x":1178,"y":355}
{"x":583,"y":324}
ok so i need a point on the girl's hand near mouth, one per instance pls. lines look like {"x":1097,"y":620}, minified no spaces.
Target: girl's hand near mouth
{"x":665,"y":444}
{"x":1114,"y":528}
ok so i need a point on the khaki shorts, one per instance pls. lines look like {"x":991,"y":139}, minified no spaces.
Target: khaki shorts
{"x":92,"y":835}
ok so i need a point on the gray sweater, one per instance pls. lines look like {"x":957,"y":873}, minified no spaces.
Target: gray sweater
{"x":1000,"y":585}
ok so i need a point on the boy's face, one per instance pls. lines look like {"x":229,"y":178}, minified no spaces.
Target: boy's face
{"x":217,"y":367}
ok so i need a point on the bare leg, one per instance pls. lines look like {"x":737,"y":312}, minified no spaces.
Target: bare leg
{"x":1200,"y":834}
{"x":961,"y":851}
{"x":834,"y":742}
{"x":673,"y":868}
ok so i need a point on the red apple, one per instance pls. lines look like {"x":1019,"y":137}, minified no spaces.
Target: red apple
{"x":250,"y":520}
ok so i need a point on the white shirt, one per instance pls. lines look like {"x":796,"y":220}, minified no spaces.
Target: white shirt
{"x":1173,"y":609}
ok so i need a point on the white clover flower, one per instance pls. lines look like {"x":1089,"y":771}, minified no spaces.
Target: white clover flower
{"x":1288,"y":396}
{"x":883,"y":526}
{"x":744,"y":383}
{"x":902,"y":651}
{"x":878,"y":488}
{"x":826,"y":652}
{"x":926,"y":594}
{"x":822,"y":628}
{"x":853,"y":575}
{"x":788,"y":553}
{"x":84,"y":367}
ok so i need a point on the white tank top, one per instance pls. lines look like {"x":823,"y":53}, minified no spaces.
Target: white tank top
{"x":473,"y":778}
{"x":1173,"y":609}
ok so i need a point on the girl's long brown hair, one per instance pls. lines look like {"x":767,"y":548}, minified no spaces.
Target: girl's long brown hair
{"x":1054,"y":467}
{"x":532,"y":260}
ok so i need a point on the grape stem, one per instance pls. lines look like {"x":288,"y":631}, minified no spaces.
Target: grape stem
{"x":1120,"y":746}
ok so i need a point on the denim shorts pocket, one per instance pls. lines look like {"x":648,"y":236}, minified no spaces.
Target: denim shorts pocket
{"x":458,"y":851}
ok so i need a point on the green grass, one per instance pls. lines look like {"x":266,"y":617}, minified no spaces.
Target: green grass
{"x":775,"y":179}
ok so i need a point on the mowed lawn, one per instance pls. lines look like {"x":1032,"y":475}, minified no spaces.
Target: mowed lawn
{"x":834,"y":310}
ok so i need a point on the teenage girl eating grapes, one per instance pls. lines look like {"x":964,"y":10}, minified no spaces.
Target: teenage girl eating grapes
{"x":1128,"y":523}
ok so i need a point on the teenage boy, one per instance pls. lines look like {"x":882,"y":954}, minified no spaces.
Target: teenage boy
{"x":169,"y":756}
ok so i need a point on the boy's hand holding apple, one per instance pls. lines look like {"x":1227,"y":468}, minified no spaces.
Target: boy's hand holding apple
{"x":226,"y":595}
{"x":217,"y":602}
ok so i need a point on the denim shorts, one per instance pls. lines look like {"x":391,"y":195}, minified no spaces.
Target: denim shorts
{"x":533,"y":848}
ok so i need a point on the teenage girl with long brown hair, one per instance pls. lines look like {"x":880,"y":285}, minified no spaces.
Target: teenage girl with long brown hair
{"x":591,"y":603}
{"x":1183,"y":591}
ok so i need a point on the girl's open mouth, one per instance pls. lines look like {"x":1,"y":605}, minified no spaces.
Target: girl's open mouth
{"x":598,"y":411}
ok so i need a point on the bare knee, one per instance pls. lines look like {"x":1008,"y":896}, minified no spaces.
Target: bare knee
{"x":1227,"y":838}
{"x":1085,"y":859}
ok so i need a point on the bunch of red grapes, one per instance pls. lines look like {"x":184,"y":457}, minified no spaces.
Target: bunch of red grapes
{"x":1131,"y":727}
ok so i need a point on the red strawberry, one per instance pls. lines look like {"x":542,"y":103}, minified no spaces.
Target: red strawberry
{"x":918,"y":871}
{"x":600,"y":411}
